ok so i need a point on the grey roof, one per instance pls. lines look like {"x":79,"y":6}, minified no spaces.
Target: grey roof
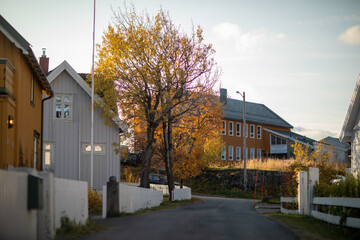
{"x":335,"y":142}
{"x":294,"y":137}
{"x":255,"y":113}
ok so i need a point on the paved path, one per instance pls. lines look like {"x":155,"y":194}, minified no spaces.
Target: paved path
{"x":215,"y":218}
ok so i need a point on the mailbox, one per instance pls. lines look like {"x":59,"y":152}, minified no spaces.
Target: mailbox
{"x":35,"y":192}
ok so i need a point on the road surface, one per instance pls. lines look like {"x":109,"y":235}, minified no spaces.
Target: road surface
{"x":215,"y":218}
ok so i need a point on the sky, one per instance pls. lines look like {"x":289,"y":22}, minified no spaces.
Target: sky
{"x":301,"y":58}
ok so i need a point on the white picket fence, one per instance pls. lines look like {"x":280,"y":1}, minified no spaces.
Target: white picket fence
{"x":336,"y":201}
{"x":310,"y":202}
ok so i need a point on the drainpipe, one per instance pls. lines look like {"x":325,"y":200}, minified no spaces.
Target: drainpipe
{"x":42,"y":128}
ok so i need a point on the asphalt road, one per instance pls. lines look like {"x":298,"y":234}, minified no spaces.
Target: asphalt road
{"x":215,"y":218}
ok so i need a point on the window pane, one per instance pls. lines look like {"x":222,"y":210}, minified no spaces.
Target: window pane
{"x":67,"y":111}
{"x":88,"y":148}
{"x":66,"y":99}
{"x":47,"y":158}
{"x":58,"y":110}
{"x":278,"y":140}
{"x":98,"y":148}
{"x":58,"y":99}
{"x":47,"y":146}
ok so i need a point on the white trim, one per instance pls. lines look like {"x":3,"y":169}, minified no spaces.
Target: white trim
{"x":231,"y":130}
{"x":238,"y":133}
{"x":231,"y":153}
{"x":62,"y":103}
{"x":223,"y":153}
{"x":258,"y":133}
{"x":238,"y":153}
{"x":252,"y":133}
{"x":223,"y":130}
{"x":17,"y":44}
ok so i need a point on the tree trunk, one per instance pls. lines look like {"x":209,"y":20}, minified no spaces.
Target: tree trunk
{"x":146,"y":158}
{"x":168,"y":154}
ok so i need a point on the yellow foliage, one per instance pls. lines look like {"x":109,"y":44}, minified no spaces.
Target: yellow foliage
{"x":95,"y":202}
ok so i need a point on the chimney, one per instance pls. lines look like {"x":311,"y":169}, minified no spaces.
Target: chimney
{"x":44,"y":62}
{"x":223,"y":95}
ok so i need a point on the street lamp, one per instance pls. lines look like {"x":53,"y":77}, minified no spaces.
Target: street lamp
{"x":244,"y":133}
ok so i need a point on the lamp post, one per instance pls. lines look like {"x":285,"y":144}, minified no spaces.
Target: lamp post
{"x":244,"y":133}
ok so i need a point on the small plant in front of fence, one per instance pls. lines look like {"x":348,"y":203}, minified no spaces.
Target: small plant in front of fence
{"x":95,"y":202}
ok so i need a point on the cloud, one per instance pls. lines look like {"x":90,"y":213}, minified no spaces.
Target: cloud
{"x":316,"y":134}
{"x":351,"y":36}
{"x":251,"y":42}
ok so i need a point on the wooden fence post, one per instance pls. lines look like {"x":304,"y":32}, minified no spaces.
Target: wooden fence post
{"x":302,"y":193}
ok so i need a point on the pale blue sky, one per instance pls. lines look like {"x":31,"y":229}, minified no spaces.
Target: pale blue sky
{"x":300,"y":58}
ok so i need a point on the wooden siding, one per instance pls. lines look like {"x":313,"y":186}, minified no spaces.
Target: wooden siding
{"x":68,"y":136}
{"x":17,"y":144}
{"x":235,"y":141}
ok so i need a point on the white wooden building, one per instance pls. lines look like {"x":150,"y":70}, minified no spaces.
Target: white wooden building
{"x":67,"y":131}
{"x":351,"y":129}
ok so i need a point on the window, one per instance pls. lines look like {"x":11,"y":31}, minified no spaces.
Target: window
{"x":238,"y":129}
{"x":231,"y":153}
{"x":223,"y":153}
{"x":99,"y":148}
{"x":252,"y":131}
{"x":36,"y":147}
{"x":223,"y":131}
{"x":252,"y":153}
{"x":258,"y":153}
{"x":246,"y":130}
{"x":277,"y":140}
{"x":48,"y":154}
{"x":231,"y":128}
{"x":238,"y":153}
{"x":63,"y":107}
{"x":258,"y":132}
{"x":32,"y":90}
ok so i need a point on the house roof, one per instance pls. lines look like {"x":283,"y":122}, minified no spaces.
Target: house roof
{"x":254,"y":113}
{"x":335,"y":142}
{"x":65,"y":66}
{"x":293,"y":137}
{"x":26,"y":50}
{"x":351,"y":118}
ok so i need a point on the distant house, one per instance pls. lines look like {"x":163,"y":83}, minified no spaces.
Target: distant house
{"x":350,"y":131}
{"x":340,"y":150}
{"x":267,"y":131}
{"x":67,"y":133}
{"x":22,"y":83}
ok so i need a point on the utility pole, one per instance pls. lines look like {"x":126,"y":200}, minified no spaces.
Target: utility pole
{"x":92,"y":109}
{"x":244,"y":133}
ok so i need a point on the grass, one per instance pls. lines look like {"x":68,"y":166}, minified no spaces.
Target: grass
{"x":72,"y":230}
{"x":306,"y":227}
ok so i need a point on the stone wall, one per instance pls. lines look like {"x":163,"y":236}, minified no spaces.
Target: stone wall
{"x":235,"y":178}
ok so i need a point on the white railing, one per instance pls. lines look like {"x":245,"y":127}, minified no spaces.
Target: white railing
{"x":288,"y":200}
{"x":336,"y":201}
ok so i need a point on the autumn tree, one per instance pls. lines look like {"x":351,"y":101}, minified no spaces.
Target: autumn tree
{"x":149,"y":67}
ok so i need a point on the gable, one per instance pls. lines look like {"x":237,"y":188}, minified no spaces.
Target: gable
{"x":352,"y":117}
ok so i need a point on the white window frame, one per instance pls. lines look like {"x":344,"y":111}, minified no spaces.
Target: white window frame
{"x":85,"y":148}
{"x":223,"y":131}
{"x":238,"y":129}
{"x":252,"y":153}
{"x":231,"y":153}
{"x":252,"y":131}
{"x":258,"y":133}
{"x":62,"y":118}
{"x":50,"y":151}
{"x":223,"y":153}
{"x":238,"y":153}
{"x":258,"y":153}
{"x":231,"y":128}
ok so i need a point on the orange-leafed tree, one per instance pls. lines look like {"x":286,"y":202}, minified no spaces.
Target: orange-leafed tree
{"x":148,"y":67}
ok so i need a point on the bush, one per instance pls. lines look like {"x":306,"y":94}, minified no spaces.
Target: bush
{"x":95,"y":202}
{"x":72,"y":230}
